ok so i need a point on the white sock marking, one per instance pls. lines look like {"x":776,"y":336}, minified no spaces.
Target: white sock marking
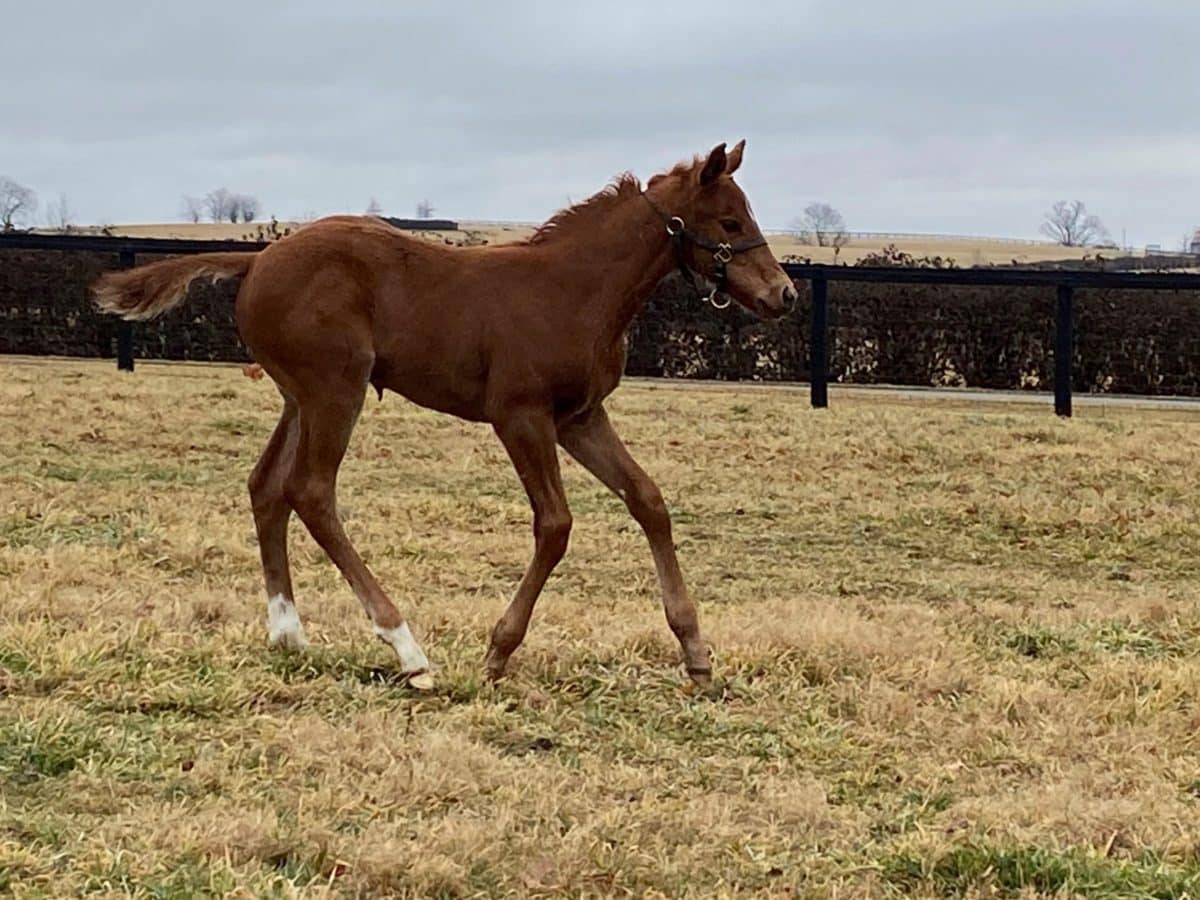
{"x":412,"y":657}
{"x":284,"y":628}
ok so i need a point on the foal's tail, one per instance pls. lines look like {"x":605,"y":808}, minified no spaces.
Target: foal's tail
{"x":148,"y":291}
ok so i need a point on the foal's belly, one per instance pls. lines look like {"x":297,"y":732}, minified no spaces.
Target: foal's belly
{"x":578,"y":397}
{"x":477,"y":380}
{"x":432,"y":385}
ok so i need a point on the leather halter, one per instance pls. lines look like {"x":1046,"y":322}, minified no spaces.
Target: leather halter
{"x":722,"y":252}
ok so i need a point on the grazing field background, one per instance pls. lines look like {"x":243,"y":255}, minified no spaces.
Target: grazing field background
{"x":957,"y":651}
{"x":1141,"y":342}
{"x":966,"y":250}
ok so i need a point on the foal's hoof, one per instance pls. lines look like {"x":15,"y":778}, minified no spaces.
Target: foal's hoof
{"x":422,"y":681}
{"x":292,"y":639}
{"x":284,"y":628}
{"x":495,"y":666}
{"x":701,"y":677}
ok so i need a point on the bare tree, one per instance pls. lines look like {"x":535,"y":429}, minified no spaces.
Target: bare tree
{"x":424,"y":210}
{"x":17,"y":203}
{"x":823,"y":224}
{"x":192,"y":209}
{"x":59,"y":215}
{"x":218,"y":204}
{"x":373,"y":208}
{"x":245,"y":207}
{"x":1069,"y":224}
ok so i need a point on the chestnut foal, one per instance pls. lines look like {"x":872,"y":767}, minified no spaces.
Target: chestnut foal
{"x":528,"y":337}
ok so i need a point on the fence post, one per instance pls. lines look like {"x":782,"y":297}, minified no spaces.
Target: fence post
{"x":1064,"y":349}
{"x":125,"y":327}
{"x":819,"y":345}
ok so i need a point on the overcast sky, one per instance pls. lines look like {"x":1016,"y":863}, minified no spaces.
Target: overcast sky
{"x":930,"y":116}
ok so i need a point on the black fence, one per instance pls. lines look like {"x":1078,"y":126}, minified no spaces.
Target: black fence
{"x":982,"y":327}
{"x":1064,"y":282}
{"x":62,"y":286}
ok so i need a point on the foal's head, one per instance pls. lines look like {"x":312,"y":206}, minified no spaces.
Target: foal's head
{"x":712,"y":206}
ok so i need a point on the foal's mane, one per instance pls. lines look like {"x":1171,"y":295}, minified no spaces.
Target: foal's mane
{"x":584,"y":213}
{"x":579,"y":215}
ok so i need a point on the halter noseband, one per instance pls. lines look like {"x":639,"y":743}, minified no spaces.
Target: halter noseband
{"x":722,"y":252}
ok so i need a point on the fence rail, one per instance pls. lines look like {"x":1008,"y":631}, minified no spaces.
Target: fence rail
{"x":126,"y":249}
{"x":1064,"y":281}
{"x":98,"y":243}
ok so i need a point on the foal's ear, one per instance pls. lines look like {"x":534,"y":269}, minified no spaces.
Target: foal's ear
{"x":715,"y":166}
{"x":735,"y":157}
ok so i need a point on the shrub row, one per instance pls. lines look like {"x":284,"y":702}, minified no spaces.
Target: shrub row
{"x":1138,"y":342}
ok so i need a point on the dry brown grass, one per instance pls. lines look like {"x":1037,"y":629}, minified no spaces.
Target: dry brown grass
{"x":966,"y":251}
{"x":957,"y":648}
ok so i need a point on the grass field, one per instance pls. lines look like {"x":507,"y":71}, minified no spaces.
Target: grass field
{"x":957,"y":654}
{"x":966,"y":251}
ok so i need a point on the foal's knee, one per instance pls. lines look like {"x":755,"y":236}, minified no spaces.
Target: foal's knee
{"x":255,"y":484}
{"x":265,"y":496}
{"x":552,"y":532}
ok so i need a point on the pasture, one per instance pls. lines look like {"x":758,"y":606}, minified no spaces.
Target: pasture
{"x":957,"y":650}
{"x":965,"y":250}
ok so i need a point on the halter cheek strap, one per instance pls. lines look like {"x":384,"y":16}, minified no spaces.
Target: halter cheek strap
{"x":722,"y":253}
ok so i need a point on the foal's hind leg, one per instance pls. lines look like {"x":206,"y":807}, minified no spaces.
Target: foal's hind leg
{"x":530,"y":442}
{"x":327,"y":419}
{"x":271,"y":515}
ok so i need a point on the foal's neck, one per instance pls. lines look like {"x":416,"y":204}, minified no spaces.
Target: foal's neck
{"x":622,"y":261}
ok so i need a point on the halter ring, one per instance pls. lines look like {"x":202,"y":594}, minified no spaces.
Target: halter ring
{"x":712,"y":300}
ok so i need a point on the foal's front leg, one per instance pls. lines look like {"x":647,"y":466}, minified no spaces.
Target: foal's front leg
{"x":530,"y":439}
{"x":596,"y":445}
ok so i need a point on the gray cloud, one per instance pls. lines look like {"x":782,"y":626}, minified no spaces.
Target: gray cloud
{"x":929,"y":116}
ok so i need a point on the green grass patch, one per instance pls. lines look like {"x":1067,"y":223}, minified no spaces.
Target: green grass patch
{"x":974,"y":869}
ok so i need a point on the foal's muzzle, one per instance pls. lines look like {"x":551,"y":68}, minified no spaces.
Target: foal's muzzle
{"x":778,"y":303}
{"x":790,"y":296}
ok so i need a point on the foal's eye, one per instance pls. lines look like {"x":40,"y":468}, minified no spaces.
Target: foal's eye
{"x":731,"y":226}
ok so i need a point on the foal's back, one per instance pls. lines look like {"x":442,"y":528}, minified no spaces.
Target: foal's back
{"x":440,"y":325}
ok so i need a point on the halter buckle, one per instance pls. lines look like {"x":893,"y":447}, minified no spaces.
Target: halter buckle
{"x":723,"y":253}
